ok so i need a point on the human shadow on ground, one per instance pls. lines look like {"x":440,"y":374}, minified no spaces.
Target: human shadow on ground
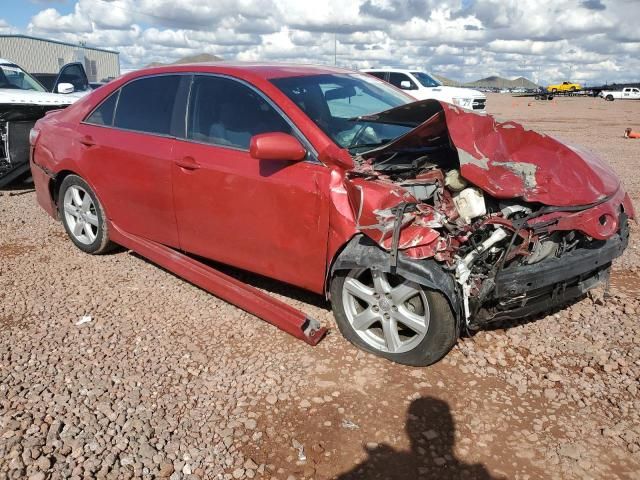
{"x":430,"y":428}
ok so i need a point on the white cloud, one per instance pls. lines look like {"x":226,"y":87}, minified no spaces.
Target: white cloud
{"x":50,"y":20}
{"x":589,"y":40}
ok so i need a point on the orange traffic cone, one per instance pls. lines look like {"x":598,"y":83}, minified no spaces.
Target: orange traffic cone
{"x":628,"y":133}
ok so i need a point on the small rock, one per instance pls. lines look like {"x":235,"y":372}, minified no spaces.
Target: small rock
{"x":43,"y":463}
{"x":166,"y":469}
{"x":569,"y":451}
{"x":430,"y":434}
{"x":554,"y":377}
{"x":238,"y":473}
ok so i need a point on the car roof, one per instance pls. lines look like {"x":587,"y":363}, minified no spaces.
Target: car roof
{"x":247,"y":69}
{"x":402,"y":70}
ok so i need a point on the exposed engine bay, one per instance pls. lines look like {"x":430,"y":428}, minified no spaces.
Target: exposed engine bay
{"x":425,"y":196}
{"x":16,"y":120}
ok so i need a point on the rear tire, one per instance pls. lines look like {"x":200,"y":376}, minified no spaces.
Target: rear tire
{"x":83,"y":216}
{"x":392,"y":317}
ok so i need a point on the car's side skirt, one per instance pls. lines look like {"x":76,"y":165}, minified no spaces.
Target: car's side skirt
{"x":244,"y":296}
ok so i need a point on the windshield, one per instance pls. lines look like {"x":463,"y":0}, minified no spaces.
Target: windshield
{"x":12,"y":76}
{"x":335,"y":102}
{"x":426,"y":80}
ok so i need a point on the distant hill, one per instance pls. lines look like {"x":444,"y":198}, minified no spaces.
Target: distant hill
{"x":446,"y":81}
{"x":200,"y":58}
{"x":499,"y":82}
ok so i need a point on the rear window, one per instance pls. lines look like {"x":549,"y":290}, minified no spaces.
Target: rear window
{"x":146,"y":105}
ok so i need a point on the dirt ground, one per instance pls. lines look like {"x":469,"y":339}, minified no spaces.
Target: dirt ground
{"x":166,"y":380}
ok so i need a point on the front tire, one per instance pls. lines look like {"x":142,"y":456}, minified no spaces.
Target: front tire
{"x":83,"y":216}
{"x":609,"y":98}
{"x":392,"y":317}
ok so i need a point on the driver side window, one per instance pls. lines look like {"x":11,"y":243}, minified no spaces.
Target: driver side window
{"x":75,"y":75}
{"x":397,"y":79}
{"x":225,"y":112}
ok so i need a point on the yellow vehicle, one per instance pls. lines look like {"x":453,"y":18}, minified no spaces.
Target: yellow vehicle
{"x":564,"y":87}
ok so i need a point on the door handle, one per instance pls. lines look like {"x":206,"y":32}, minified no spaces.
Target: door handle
{"x":87,"y":141}
{"x":188,"y":163}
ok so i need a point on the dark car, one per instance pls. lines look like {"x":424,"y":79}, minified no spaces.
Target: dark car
{"x":416,"y":219}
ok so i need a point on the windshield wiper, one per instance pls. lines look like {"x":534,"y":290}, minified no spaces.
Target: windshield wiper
{"x":368,"y":145}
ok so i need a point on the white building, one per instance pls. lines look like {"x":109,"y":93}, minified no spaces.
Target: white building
{"x":39,"y":55}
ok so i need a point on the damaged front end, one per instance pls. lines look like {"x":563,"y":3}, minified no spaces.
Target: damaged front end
{"x":518,"y":220}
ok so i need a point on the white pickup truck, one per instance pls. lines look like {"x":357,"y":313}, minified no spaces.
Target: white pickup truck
{"x":629,"y":93}
{"x":422,"y":86}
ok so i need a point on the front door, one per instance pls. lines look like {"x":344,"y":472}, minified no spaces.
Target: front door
{"x":74,"y":74}
{"x":263,"y":216}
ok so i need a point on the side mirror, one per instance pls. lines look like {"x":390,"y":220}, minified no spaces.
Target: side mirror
{"x":276,"y":146}
{"x":65,"y":88}
{"x":405,"y":85}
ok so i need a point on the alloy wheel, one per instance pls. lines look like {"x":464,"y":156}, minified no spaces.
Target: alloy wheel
{"x":80,"y":215}
{"x":388,"y":312}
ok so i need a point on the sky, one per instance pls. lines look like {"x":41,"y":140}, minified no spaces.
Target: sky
{"x":590,"y":41}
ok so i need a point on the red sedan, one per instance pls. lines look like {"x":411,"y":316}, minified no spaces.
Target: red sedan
{"x":417,"y":220}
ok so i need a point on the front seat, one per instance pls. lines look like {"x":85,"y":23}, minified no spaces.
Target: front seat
{"x":237,"y":123}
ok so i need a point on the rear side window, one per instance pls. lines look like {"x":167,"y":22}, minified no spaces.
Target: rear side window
{"x":227,"y":113}
{"x":379,"y":75}
{"x":103,"y":115}
{"x":147,"y":104}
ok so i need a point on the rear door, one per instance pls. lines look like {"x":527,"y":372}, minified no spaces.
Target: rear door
{"x":127,"y":146}
{"x":263,"y":216}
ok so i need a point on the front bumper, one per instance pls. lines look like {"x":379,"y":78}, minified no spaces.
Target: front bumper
{"x":526,"y":290}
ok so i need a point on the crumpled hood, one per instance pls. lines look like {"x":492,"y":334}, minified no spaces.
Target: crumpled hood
{"x":31,"y":97}
{"x":504,"y":159}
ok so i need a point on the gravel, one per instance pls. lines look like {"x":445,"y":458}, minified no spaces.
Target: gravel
{"x":167,"y":381}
